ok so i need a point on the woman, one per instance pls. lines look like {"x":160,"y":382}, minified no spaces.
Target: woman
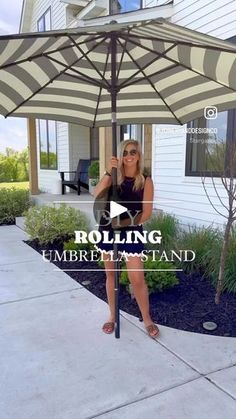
{"x":135,"y":193}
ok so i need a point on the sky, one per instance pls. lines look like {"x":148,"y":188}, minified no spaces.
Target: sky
{"x":13,"y":131}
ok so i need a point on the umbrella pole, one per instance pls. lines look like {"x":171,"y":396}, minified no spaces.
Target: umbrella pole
{"x":114,"y":173}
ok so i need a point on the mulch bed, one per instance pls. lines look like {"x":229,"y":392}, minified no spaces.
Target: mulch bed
{"x":9,"y":223}
{"x":185,"y":306}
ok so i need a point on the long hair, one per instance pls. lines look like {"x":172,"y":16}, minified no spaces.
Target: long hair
{"x":139,"y":178}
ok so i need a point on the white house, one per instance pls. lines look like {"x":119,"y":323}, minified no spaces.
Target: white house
{"x":175,"y":158}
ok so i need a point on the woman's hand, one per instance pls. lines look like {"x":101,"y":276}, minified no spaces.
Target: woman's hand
{"x":112,"y":163}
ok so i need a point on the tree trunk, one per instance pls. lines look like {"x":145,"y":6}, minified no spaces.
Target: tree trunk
{"x":222,"y":261}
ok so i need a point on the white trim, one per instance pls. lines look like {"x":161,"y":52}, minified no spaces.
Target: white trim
{"x":94,"y":9}
{"x":81,"y":3}
{"x":26,"y":16}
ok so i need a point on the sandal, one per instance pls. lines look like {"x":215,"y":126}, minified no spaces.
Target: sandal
{"x":153,"y":328}
{"x":108,"y":327}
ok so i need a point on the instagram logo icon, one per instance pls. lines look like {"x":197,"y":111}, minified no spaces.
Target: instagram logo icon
{"x":210,"y":112}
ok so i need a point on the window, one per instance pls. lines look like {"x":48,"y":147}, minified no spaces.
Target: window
{"x":209,"y":153}
{"x":121,"y":6}
{"x":44,"y":22}
{"x":134,"y":131}
{"x":47,"y":144}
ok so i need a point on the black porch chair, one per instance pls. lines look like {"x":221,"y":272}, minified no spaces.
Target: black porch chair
{"x":80,"y":177}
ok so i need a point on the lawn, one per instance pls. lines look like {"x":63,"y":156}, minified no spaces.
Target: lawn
{"x":18,"y":185}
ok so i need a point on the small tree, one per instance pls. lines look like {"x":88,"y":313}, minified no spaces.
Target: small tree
{"x":223,"y":158}
{"x":23,"y":157}
{"x":14,"y":165}
{"x":10,"y":163}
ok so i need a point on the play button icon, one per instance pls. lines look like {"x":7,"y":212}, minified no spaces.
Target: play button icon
{"x":116,"y":209}
{"x":105,"y":209}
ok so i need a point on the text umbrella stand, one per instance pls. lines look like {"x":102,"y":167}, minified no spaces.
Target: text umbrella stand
{"x":119,"y":73}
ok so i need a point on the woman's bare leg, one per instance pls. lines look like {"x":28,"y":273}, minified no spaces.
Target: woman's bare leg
{"x":110,"y":285}
{"x":139,"y":286}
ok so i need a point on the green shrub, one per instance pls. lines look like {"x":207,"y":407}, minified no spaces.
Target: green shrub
{"x":49,"y":223}
{"x":205,"y":242}
{"x":155,"y":280}
{"x":13,"y":203}
{"x":169,"y":227}
{"x":71,"y":245}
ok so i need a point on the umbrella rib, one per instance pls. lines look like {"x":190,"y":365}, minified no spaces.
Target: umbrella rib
{"x":122,"y":56}
{"x":183,"y":65}
{"x":43,"y":54}
{"x":160,"y":55}
{"x":100,"y":89}
{"x":150,"y":38}
{"x":74,"y":76}
{"x":90,"y":62}
{"x":153,"y":86}
{"x":150,"y":75}
{"x":46,"y":34}
{"x":46,"y":84}
{"x":86,"y":77}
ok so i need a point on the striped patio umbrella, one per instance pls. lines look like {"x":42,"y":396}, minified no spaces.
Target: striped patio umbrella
{"x":164,"y":74}
{"x":119,"y":73}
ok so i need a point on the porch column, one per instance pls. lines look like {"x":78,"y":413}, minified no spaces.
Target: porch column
{"x":105,"y":148}
{"x":148,"y":147}
{"x":33,"y":164}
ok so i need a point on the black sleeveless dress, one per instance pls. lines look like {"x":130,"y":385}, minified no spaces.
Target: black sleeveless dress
{"x":132,"y":200}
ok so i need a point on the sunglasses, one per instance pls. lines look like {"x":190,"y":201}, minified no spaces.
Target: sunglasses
{"x":132,"y":152}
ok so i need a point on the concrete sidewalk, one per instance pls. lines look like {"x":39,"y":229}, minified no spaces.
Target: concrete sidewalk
{"x":56,"y":362}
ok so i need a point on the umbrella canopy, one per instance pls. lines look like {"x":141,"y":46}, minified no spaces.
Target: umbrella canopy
{"x":164,"y":74}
